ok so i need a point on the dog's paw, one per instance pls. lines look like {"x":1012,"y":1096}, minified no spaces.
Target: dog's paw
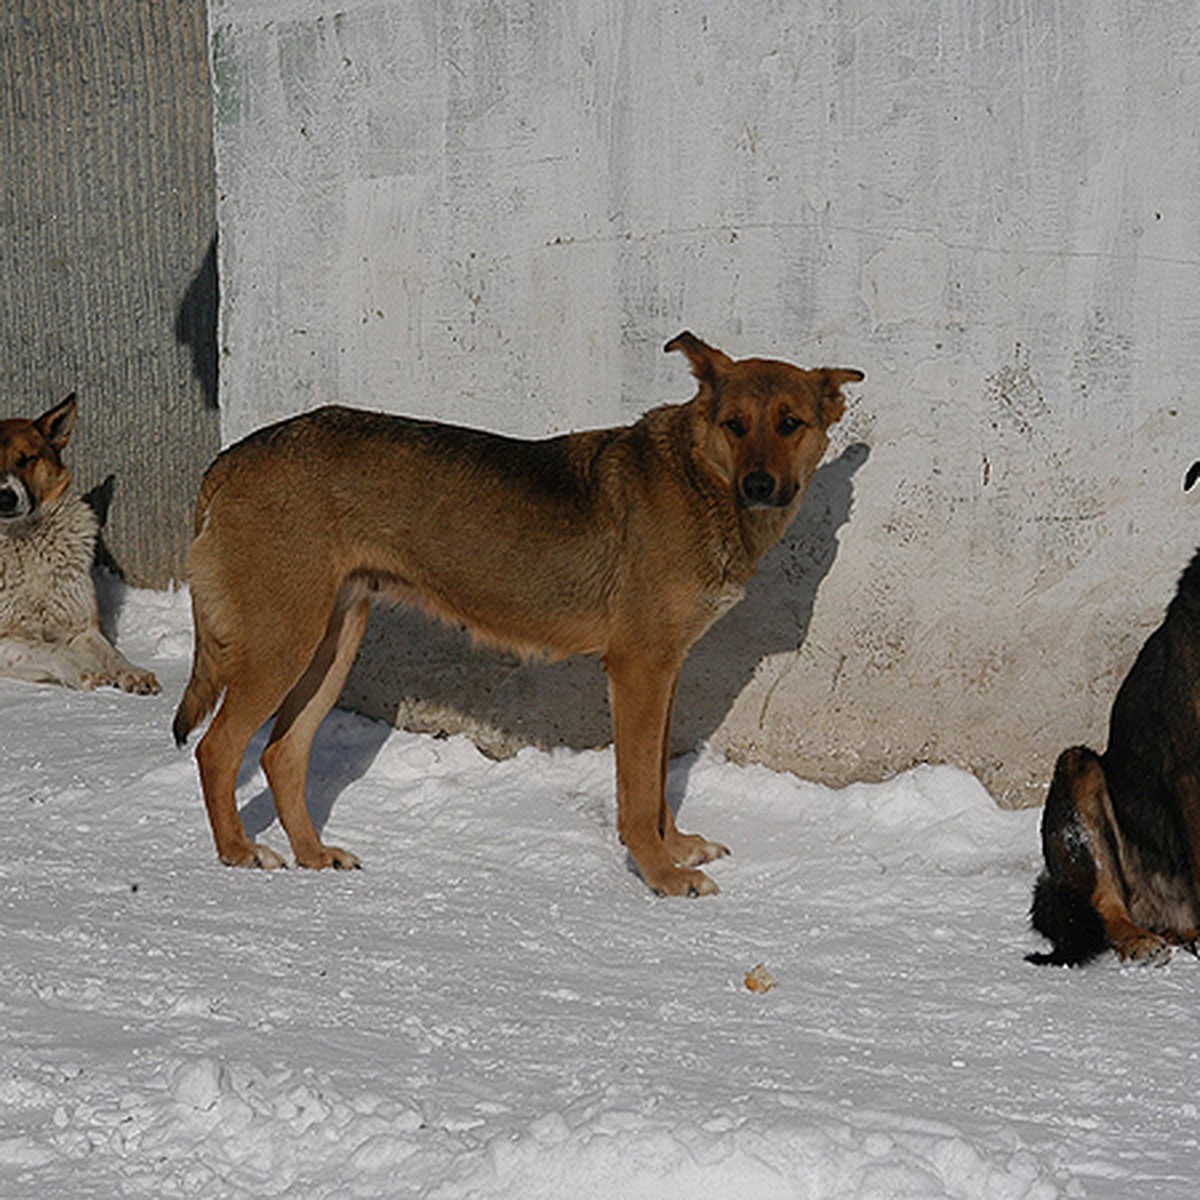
{"x":139,"y":682}
{"x":255,"y":855}
{"x":1144,"y":947}
{"x":135,"y":680}
{"x":331,"y":856}
{"x":692,"y":850}
{"x":682,"y":882}
{"x":1187,"y":940}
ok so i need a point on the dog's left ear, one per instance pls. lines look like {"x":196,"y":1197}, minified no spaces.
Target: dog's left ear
{"x":707,"y":361}
{"x":1191,"y":477}
{"x":56,"y":424}
{"x":833,"y":403}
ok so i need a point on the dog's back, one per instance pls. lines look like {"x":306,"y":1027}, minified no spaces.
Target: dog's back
{"x":526,"y":543}
{"x":513,"y":538}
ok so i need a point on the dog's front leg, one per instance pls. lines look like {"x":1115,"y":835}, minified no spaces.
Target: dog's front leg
{"x":42,"y":662}
{"x":102,"y":664}
{"x":684,"y":849}
{"x":641,"y":691}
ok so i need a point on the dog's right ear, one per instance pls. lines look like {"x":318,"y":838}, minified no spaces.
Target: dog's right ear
{"x":707,"y":361}
{"x":833,"y":403}
{"x":1191,"y":477}
{"x":56,"y":424}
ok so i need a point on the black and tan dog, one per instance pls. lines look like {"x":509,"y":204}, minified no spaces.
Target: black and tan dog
{"x":1121,"y":830}
{"x":626,"y":543}
{"x":49,"y":621}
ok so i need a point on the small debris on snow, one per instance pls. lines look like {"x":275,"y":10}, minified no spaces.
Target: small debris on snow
{"x":759,"y":979}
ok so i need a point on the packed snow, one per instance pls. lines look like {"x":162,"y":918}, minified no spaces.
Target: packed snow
{"x":495,"y":1006}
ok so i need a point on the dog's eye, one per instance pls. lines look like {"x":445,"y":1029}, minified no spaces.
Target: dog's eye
{"x":736,"y":426}
{"x":789,"y":425}
{"x":23,"y":460}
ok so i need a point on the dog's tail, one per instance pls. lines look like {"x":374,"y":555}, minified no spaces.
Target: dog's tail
{"x":205,"y":686}
{"x":1063,"y":914}
{"x":207,"y":681}
{"x":1074,"y":832}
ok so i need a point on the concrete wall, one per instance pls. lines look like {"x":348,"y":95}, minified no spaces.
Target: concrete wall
{"x":497,"y":212}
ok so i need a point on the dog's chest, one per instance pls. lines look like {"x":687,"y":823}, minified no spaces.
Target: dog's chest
{"x":45,"y":572}
{"x":712,"y":604}
{"x":720,"y":600}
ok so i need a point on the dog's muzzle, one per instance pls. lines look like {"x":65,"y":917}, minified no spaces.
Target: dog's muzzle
{"x":14,"y":499}
{"x":759,"y":489}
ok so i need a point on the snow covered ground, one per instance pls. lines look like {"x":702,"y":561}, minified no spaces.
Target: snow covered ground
{"x":496,"y":1007}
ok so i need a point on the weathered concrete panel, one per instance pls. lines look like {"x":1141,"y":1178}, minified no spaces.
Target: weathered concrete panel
{"x":497,"y":213}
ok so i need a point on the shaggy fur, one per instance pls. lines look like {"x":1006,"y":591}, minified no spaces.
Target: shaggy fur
{"x":49,"y":623}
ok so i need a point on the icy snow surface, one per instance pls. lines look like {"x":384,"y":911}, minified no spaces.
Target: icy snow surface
{"x":496,"y":1006}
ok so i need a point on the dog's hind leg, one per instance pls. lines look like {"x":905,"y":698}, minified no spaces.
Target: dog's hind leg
{"x":285,"y":758}
{"x":219,"y":756}
{"x":1062,"y":897}
{"x":1080,"y":901}
{"x":641,"y":691}
{"x":1115,"y":864}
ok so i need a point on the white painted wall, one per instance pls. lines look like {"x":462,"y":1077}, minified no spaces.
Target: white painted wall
{"x":497,"y":213}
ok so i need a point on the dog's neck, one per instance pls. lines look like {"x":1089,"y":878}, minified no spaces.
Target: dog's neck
{"x":761,"y":528}
{"x":68,"y":512}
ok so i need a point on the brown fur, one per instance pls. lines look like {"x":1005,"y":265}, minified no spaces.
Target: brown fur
{"x":49,"y":621}
{"x":625,"y":543}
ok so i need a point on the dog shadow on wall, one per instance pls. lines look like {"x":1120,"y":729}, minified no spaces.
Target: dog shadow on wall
{"x":416,"y":673}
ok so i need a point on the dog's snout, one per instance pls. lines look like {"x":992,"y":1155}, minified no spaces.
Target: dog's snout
{"x":10,"y":501}
{"x":758,"y":487}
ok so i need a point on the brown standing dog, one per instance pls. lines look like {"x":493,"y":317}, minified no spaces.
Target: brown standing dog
{"x":626,"y":543}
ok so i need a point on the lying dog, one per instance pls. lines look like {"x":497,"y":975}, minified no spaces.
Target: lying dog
{"x":1121,"y":830}
{"x":49,"y":622}
{"x":626,"y":543}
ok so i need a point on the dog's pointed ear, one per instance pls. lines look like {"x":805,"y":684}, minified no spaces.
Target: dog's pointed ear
{"x":1192,"y":475}
{"x":56,"y":424}
{"x":833,"y":403}
{"x":707,"y":361}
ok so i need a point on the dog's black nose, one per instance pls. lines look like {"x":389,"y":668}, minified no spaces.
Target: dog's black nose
{"x":758,"y":487}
